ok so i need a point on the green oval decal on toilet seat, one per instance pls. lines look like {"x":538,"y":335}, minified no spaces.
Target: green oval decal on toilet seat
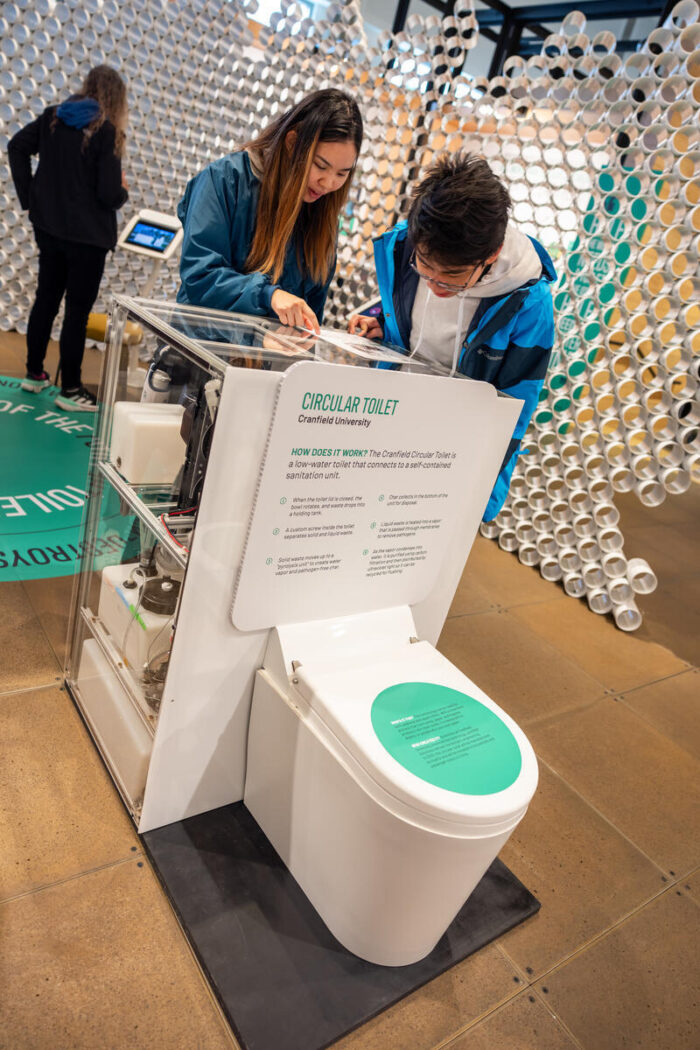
{"x":446,"y":738}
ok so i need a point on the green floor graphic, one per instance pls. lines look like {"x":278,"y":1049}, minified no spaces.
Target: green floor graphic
{"x":44,"y":456}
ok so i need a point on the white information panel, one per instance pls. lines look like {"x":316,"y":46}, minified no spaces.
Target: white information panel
{"x":365,"y":474}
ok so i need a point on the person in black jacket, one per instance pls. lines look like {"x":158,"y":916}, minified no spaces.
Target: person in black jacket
{"x":72,"y":199}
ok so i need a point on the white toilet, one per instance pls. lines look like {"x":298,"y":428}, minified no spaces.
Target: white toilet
{"x":386,"y":780}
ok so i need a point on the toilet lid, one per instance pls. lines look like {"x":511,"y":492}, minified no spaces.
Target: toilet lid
{"x":427,"y":735}
{"x":446,"y":737}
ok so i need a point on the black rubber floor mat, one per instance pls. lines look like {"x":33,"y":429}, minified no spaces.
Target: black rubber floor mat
{"x":283,"y":980}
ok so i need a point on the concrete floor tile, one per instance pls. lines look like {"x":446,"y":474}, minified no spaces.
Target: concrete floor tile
{"x":441,"y":1008}
{"x":675,"y":510}
{"x":471,"y":595}
{"x":62,"y":815}
{"x":692,"y":885}
{"x":617,"y":660}
{"x":667,"y":536}
{"x":672,"y":615}
{"x":516,"y":667}
{"x":642,"y":782}
{"x":100,"y":962}
{"x":51,"y":601}
{"x":27,"y":657}
{"x":11,"y":361}
{"x":13,"y":342}
{"x":506,"y":580}
{"x":637,"y":986}
{"x":666,"y":559}
{"x":524,"y":1024}
{"x":585,"y":874}
{"x":672,"y":706}
{"x":13,"y":355}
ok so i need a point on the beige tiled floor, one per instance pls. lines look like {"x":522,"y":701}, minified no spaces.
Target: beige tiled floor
{"x":92,"y":957}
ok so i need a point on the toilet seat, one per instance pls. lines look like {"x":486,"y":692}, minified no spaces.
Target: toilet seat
{"x":336,"y":692}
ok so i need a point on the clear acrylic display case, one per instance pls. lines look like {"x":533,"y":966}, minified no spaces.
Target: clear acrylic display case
{"x":159,"y":404}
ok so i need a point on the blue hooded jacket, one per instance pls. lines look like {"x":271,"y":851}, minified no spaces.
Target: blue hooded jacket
{"x":76,"y":190}
{"x":78,"y":112}
{"x":218,"y":214}
{"x":508,"y":343}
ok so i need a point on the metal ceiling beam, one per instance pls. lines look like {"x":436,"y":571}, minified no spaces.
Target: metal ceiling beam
{"x":400,"y":16}
{"x":533,"y":15}
{"x":594,"y":10}
{"x":530,"y":47}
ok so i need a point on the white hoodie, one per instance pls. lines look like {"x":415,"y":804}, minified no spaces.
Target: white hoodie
{"x":439,"y":326}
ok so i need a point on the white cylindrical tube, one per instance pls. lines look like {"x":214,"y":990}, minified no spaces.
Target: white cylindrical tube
{"x":606,"y":514}
{"x":638,"y":441}
{"x":504,"y":517}
{"x":675,"y":480}
{"x":641,"y":576}
{"x":580,"y":502}
{"x":538,"y":499}
{"x":610,"y":539}
{"x":627,"y":615}
{"x":692,"y":465}
{"x":556,"y":489}
{"x":542,"y":521}
{"x":620,"y":590}
{"x":574,"y":585}
{"x":644,"y":467}
{"x":595,"y":466}
{"x":550,"y":569}
{"x":601,"y":490}
{"x":668,"y":454}
{"x":617,"y":454}
{"x":588,"y":549}
{"x":689,"y":439}
{"x":687,"y":413}
{"x":489,"y":530}
{"x":599,"y":601}
{"x":527,"y":554}
{"x":584,"y":525}
{"x":507,"y":540}
{"x":575,"y":477}
{"x":593,"y":575}
{"x":564,"y":535}
{"x":525,"y":532}
{"x":547,"y":545}
{"x":651,"y":492}
{"x":614,"y":564}
{"x":521,"y":509}
{"x":552,"y":470}
{"x":622,"y":479}
{"x":560,"y":512}
{"x":569,"y":559}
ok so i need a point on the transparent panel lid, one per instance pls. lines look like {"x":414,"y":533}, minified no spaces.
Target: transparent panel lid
{"x":262,"y":341}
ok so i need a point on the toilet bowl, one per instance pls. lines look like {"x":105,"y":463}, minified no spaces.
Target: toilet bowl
{"x":386,"y":780}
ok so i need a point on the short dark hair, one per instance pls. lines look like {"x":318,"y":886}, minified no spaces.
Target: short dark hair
{"x":459,"y":212}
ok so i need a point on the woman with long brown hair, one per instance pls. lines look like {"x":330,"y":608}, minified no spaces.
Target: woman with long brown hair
{"x":260,"y":225}
{"x":72,"y":201}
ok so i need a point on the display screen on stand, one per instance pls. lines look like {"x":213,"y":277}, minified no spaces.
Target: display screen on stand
{"x":156,"y":238}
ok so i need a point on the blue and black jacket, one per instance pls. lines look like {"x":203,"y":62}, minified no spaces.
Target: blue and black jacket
{"x":508,"y":343}
{"x":218,"y":214}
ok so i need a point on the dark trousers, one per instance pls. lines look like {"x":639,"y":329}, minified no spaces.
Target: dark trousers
{"x":70,"y":269}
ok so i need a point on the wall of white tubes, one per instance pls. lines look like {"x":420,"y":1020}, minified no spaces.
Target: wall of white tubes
{"x":602,"y":158}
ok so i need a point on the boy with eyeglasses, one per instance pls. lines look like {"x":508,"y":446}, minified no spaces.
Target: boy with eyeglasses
{"x":463,"y":288}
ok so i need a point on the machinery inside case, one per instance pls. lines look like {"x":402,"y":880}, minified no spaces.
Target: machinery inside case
{"x":146,"y":490}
